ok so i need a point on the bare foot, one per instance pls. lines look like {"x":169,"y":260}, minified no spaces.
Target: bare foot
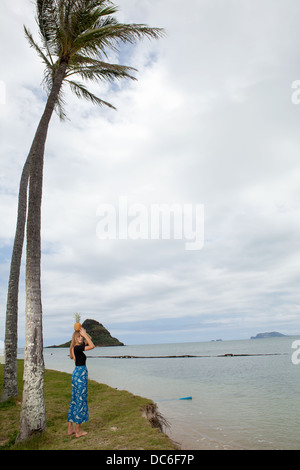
{"x":81,"y":433}
{"x":71,"y":430}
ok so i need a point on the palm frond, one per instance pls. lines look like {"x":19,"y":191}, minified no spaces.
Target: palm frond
{"x":34,"y":45}
{"x":85,"y":18}
{"x":60,"y":107}
{"x":47,"y":17}
{"x":93,"y":69}
{"x":81,"y":92}
{"x":47,"y":20}
{"x":81,"y":33}
{"x":95,"y":40}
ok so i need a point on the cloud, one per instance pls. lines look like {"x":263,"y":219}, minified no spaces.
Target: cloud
{"x":209,"y":121}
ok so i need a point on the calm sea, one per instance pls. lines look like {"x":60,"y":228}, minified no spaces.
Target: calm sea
{"x":238,"y":402}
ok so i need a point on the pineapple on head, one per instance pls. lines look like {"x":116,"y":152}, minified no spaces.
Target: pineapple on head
{"x":77,"y":324}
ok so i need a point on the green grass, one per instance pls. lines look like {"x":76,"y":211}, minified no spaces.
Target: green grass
{"x":115,"y":419}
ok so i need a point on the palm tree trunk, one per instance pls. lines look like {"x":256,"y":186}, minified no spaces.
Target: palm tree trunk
{"x":10,"y":387}
{"x":33,"y":414}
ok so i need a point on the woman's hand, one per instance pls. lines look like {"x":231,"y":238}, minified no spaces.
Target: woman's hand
{"x":83,"y":332}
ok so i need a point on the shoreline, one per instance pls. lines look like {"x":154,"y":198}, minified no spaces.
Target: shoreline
{"x":149,"y":411}
{"x":169,"y":427}
{"x":213,"y":375}
{"x":119,"y":420}
{"x":200,"y":442}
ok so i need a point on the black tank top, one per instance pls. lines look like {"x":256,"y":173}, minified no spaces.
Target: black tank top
{"x":80,"y":357}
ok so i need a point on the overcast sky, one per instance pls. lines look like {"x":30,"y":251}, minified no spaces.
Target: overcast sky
{"x":210,"y":121}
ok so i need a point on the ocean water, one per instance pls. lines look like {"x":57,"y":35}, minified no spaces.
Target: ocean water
{"x":238,"y":402}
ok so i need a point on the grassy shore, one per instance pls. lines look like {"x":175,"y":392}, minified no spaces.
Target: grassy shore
{"x":117,"y":419}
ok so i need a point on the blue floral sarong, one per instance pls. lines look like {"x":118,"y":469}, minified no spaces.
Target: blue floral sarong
{"x":78,"y":410}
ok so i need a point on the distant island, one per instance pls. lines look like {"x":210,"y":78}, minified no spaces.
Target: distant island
{"x":99,"y":334}
{"x":272,"y":334}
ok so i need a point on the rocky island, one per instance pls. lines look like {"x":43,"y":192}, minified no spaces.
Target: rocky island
{"x":99,"y":334}
{"x":272,"y":334}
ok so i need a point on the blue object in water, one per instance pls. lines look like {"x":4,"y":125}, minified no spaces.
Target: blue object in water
{"x":170,"y":399}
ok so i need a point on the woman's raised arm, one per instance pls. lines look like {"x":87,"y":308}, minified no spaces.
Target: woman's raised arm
{"x":88,"y":338}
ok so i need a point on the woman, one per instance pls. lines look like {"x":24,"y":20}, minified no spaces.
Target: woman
{"x":78,"y":410}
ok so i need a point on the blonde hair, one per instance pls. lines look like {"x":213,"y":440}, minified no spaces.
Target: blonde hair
{"x":74,"y":341}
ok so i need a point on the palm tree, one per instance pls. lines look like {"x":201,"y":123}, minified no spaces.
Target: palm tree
{"x":76,"y":36}
{"x":10,"y":388}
